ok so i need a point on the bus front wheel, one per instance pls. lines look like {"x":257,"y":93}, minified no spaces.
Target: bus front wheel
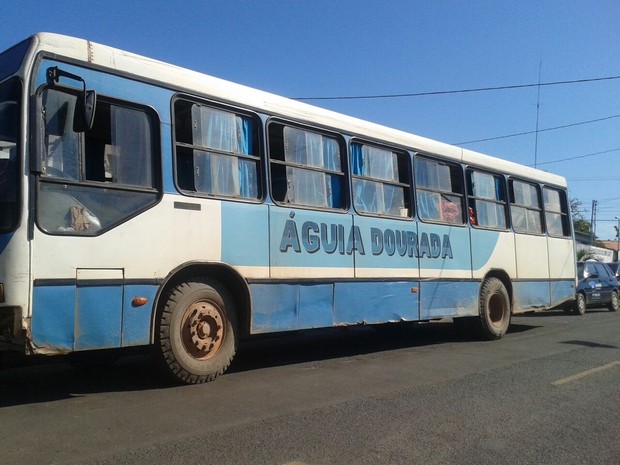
{"x":197,"y":331}
{"x":494,"y":306}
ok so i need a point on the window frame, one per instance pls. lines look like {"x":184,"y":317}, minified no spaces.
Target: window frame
{"x":404,"y":165}
{"x":473,"y":214}
{"x":88,"y":185}
{"x":527,"y":208}
{"x":273,"y":163}
{"x":257,"y":157}
{"x":563,"y":212}
{"x":442,"y":193}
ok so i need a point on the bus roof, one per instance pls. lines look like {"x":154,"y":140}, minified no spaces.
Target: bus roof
{"x":182,"y":79}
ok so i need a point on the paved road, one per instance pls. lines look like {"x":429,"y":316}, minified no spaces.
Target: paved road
{"x":547,"y":393}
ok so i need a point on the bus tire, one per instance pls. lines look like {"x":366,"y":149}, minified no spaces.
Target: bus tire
{"x":197,"y":331}
{"x":614,"y":303}
{"x":494,"y":306}
{"x":580,"y":304}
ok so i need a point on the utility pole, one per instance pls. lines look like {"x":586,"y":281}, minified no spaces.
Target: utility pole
{"x":593,"y":222}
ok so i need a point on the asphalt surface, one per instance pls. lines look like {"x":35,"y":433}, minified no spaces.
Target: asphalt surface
{"x":547,"y":393}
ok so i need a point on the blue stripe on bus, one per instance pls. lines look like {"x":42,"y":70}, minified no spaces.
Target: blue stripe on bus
{"x":53,"y":317}
{"x":304,"y":238}
{"x":284,"y":307}
{"x":245,"y":237}
{"x":98,"y":319}
{"x":483,"y":243}
{"x":66,"y":318}
{"x":439,"y":299}
{"x":137,"y":320}
{"x":375,"y":302}
{"x":562,"y":291}
{"x":531,"y":295}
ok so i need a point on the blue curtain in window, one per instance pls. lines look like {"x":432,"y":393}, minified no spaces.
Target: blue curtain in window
{"x":248,"y":182}
{"x":230,"y":133}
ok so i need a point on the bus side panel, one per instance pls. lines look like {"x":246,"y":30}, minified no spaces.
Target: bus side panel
{"x":448,"y":299}
{"x":561,"y":268}
{"x":390,"y":248}
{"x":492,"y":250}
{"x":98,"y":320}
{"x":53,"y":323}
{"x":444,"y":251}
{"x":530,"y":295}
{"x":532,"y":257}
{"x":562,"y":291}
{"x":311,"y":244}
{"x":531,"y":288}
{"x":137,"y":319}
{"x":285,"y":307}
{"x":375,"y":302}
{"x":245,"y":238}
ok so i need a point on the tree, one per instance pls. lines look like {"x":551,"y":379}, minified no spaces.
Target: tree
{"x":580,"y":224}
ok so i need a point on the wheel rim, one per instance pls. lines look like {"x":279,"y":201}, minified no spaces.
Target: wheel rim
{"x":202,"y":331}
{"x":497,"y":310}
{"x":614,"y":300}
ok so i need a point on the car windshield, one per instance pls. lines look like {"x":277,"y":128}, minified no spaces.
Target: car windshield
{"x":10,"y":97}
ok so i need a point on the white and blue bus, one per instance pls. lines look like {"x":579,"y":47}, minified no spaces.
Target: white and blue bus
{"x":142,"y":204}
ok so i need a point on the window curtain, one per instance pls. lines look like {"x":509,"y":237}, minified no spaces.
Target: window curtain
{"x":376,"y":196}
{"x":306,"y":187}
{"x":224,"y":174}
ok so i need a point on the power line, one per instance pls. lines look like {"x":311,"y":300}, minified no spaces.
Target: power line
{"x":540,"y":130}
{"x":460,"y":91}
{"x":578,"y":156}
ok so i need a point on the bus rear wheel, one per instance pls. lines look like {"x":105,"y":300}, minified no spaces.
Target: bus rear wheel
{"x":197,"y":331}
{"x":494,"y":307}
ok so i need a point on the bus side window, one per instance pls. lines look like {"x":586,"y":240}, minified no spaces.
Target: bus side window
{"x":306,"y":168}
{"x":96,"y":179}
{"x":525,"y":209}
{"x":381,"y":181}
{"x":439,"y":191}
{"x":487,"y":199}
{"x":61,"y":143}
{"x":556,"y":212}
{"x":217,"y":152}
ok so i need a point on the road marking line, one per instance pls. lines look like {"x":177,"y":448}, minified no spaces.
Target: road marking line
{"x":585,"y":373}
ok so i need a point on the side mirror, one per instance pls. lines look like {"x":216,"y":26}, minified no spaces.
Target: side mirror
{"x":86,"y":102}
{"x":84,"y":115}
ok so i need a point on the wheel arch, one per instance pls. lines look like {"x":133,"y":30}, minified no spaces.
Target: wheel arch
{"x":220,"y":272}
{"x":506,"y":281}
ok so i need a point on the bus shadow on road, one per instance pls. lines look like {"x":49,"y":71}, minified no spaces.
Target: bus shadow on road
{"x":348,"y":341}
{"x":53,"y":379}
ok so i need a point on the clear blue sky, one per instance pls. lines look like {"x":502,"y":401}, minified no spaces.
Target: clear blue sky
{"x":325,"y":48}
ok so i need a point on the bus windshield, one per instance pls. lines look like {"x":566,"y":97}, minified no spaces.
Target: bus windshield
{"x":10,"y":98}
